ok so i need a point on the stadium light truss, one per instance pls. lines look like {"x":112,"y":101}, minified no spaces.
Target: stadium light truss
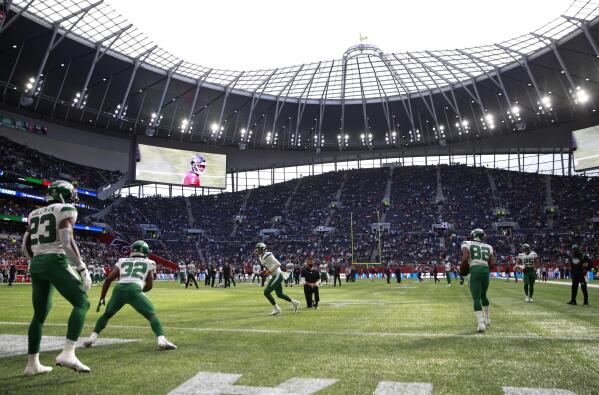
{"x":364,"y":75}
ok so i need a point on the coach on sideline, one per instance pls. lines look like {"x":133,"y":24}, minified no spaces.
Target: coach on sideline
{"x":312,"y":281}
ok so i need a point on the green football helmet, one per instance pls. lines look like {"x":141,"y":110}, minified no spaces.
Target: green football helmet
{"x":478,"y":234}
{"x":575,"y":248}
{"x":260,"y":248}
{"x":61,"y":192}
{"x":140,"y":249}
{"x":525,"y":246}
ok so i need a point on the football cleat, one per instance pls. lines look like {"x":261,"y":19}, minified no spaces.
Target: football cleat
{"x":276,"y":310}
{"x":296,"y":305}
{"x":481,"y":327}
{"x":526,"y":299}
{"x":91,"y":340}
{"x":531,"y":300}
{"x":166,"y":345}
{"x":34,"y":367}
{"x":69,"y":360}
{"x":572,"y":302}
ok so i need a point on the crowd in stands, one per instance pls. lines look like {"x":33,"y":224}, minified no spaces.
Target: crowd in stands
{"x":413,"y":193}
{"x":24,"y":161}
{"x":229,"y":223}
{"x":576,"y":199}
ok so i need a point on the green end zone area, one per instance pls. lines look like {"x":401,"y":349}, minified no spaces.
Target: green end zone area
{"x":363,"y":334}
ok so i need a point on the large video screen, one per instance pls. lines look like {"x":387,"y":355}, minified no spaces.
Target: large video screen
{"x":174,"y":166}
{"x":586,"y":148}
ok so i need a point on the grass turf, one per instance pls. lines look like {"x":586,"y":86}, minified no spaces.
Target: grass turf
{"x":364,"y":333}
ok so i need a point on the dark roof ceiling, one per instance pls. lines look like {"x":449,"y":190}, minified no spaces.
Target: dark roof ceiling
{"x":24,"y":43}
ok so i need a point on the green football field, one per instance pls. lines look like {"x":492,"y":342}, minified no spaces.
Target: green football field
{"x":364,"y":334}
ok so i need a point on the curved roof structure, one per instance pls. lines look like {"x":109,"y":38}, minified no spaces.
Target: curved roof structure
{"x":364,"y":74}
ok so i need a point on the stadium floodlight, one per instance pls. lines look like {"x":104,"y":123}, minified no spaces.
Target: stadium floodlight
{"x":214,"y":127}
{"x":546,"y":101}
{"x":242,"y":132}
{"x":184,"y":125}
{"x":465,"y":123}
{"x":581,"y":96}
{"x":79,"y":100}
{"x":30,"y":85}
{"x":515,"y":110}
{"x":117,"y":109}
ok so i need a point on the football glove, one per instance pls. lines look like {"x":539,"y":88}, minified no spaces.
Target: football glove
{"x":100,"y":303}
{"x":86,"y":279}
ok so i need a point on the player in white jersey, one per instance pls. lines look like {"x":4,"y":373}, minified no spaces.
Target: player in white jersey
{"x":256,"y":272}
{"x":191,"y":275}
{"x":476,"y":258}
{"x":92,"y":272}
{"x":273,"y":267}
{"x":289,"y":266}
{"x":324,"y":275}
{"x":49,"y":244}
{"x":447,"y":267}
{"x":98,"y":274}
{"x":528,"y":261}
{"x":136,"y":276}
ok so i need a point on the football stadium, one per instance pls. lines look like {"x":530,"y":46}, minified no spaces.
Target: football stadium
{"x":267,"y":197}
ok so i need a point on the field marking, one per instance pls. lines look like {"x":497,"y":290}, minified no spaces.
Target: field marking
{"x":398,"y":388}
{"x":472,"y":335}
{"x":11,"y":345}
{"x":535,"y":391}
{"x":569,"y":284}
{"x":222,"y":383}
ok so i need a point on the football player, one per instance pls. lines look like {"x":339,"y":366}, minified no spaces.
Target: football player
{"x":92,"y":271}
{"x":182,"y":274}
{"x":289,"y":267}
{"x":191,"y":275}
{"x":198,"y":168}
{"x":98,"y":274}
{"x":529,"y":262}
{"x":477,"y":256}
{"x":273,"y":267}
{"x":324,"y":277}
{"x":136,"y":276}
{"x":580,"y":264}
{"x":49,"y":245}
{"x":448,"y":271}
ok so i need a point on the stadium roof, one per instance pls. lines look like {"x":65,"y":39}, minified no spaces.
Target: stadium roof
{"x":365,"y":73}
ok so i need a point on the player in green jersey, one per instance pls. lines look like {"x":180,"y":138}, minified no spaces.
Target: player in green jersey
{"x":136,"y":275}
{"x":273,"y":267}
{"x":528,"y":261}
{"x":477,"y":256}
{"x":49,"y":244}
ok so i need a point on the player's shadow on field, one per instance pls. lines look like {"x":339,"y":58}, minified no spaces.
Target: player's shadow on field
{"x":36,"y":384}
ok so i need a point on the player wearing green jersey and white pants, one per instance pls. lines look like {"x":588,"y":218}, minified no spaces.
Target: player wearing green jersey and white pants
{"x":136,"y":276}
{"x":48,"y":243}
{"x":476,"y":258}
{"x":273,"y":267}
{"x":529,"y":260}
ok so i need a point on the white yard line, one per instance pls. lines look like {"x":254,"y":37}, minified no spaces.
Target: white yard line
{"x":472,"y":335}
{"x":568,"y":284}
